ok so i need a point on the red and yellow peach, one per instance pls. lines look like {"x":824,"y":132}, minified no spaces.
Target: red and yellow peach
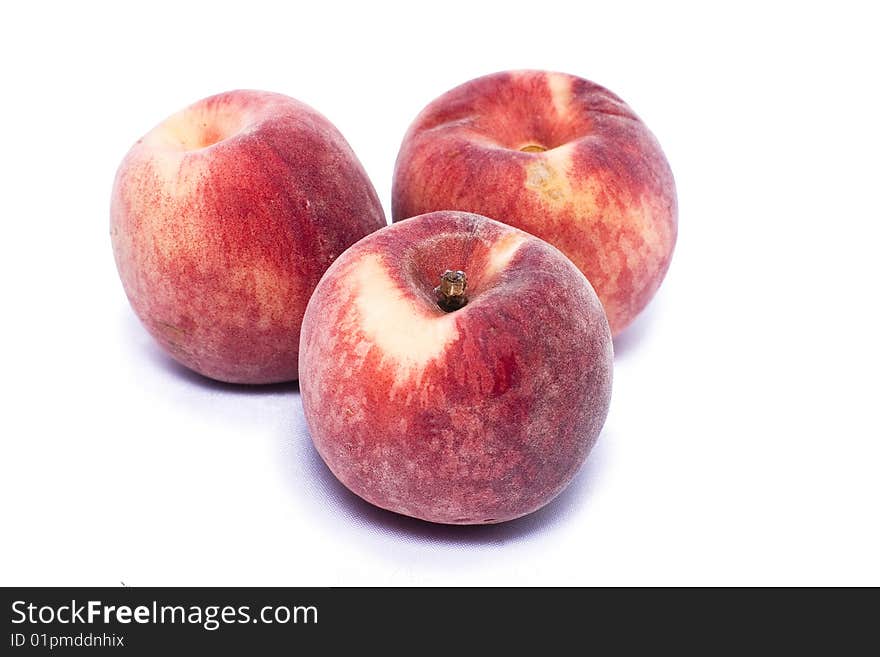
{"x":223,"y":219}
{"x":559,"y":157}
{"x":455,"y":369}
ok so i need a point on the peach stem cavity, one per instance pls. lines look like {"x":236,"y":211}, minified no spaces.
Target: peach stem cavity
{"x":452,"y":292}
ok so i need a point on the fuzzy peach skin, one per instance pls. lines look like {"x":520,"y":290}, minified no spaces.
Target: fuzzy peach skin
{"x":223,"y":219}
{"x":559,"y":157}
{"x":476,"y":415}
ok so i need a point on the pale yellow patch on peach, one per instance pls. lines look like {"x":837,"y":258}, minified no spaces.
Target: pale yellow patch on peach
{"x":408,"y":336}
{"x":560,"y":92}
{"x":269,"y":291}
{"x":637,"y":214}
{"x":172,"y":177}
{"x":199,"y":126}
{"x":502,"y":253}
{"x":167,"y":165}
{"x":641,"y":215}
{"x":547,"y":177}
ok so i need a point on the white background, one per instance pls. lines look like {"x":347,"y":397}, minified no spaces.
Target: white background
{"x":742,"y":446}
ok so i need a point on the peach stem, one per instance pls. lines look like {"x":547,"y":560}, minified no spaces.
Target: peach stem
{"x":452,"y":291}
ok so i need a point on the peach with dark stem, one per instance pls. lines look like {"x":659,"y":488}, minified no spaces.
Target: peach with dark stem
{"x":471,"y":401}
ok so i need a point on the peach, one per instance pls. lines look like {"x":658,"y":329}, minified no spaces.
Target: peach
{"x":559,"y":157}
{"x":455,"y":369}
{"x":223,"y":219}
